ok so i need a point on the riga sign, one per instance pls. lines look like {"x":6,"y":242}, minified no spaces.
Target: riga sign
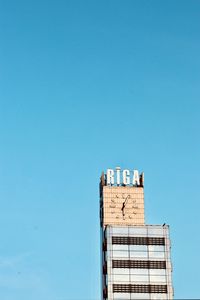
{"x":124,"y":177}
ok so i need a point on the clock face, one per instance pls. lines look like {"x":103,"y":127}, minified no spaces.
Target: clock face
{"x":123,"y":206}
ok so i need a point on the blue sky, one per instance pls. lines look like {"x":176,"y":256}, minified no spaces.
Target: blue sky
{"x":84,"y":86}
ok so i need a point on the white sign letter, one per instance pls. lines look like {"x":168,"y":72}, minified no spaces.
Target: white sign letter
{"x":136,"y":177}
{"x":126,"y":178}
{"x":110,"y":176}
{"x":118,"y":175}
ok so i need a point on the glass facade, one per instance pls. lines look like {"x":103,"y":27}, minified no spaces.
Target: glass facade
{"x":136,"y":262}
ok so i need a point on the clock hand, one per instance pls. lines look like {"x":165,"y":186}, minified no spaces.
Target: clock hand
{"x":123,"y":213}
{"x":126,"y":200}
{"x":124,"y":204}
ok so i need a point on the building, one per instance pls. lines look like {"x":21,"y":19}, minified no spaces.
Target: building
{"x":135,"y":257}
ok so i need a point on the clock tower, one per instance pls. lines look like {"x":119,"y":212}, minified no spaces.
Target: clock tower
{"x":135,"y":257}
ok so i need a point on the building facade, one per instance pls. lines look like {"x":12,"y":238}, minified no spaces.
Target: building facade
{"x":135,"y":257}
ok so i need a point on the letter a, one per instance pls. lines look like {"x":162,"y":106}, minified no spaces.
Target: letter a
{"x":136,"y":177}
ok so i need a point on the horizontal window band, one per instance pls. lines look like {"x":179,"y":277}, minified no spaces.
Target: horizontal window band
{"x":139,"y":264}
{"x":139,"y":288}
{"x":136,"y":240}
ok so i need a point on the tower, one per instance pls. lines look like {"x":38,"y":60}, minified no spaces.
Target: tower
{"x":135,"y":257}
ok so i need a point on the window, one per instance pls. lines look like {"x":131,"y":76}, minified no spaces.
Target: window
{"x":129,"y":240}
{"x":139,"y":288}
{"x":139,"y":264}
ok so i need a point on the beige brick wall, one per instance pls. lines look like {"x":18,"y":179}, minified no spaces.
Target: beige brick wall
{"x":113,"y":199}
